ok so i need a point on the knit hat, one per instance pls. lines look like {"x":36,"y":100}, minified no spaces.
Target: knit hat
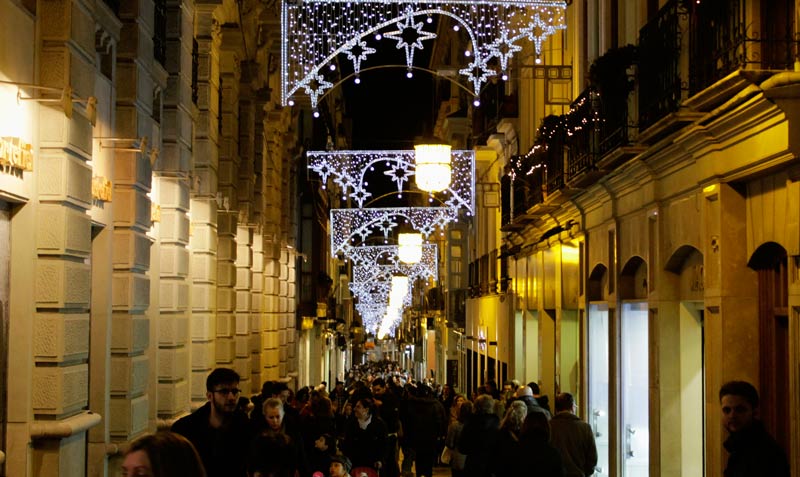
{"x":342,"y":459}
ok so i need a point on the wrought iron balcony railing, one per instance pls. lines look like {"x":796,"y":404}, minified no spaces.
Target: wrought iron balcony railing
{"x":725,"y":36}
{"x":659,"y":64}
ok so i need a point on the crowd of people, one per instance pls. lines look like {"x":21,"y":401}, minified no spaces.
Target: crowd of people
{"x":380,"y":422}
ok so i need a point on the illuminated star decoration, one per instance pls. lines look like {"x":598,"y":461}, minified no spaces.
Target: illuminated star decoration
{"x":399,"y":175}
{"x":503,"y":48}
{"x":358,"y":52}
{"x":478,"y":73}
{"x":537,"y":31}
{"x":321,"y":86}
{"x":406,"y":31}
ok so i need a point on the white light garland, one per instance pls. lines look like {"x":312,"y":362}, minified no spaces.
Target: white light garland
{"x":348,"y":169}
{"x":315,"y":32}
{"x":351,"y":227}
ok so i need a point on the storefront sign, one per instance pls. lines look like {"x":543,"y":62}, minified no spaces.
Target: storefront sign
{"x":16,"y":153}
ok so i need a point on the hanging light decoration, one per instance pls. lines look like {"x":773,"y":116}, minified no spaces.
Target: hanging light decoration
{"x":432,"y":172}
{"x":410,"y":249}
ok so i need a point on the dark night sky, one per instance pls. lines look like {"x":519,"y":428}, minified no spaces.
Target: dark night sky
{"x":388,"y":110}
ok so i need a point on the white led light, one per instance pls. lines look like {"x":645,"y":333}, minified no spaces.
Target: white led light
{"x":494,"y":28}
{"x":346,"y":169}
{"x":477,"y":102}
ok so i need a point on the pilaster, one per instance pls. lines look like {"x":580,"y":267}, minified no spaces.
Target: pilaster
{"x":203,"y":242}
{"x":731,"y":321}
{"x":49,"y":323}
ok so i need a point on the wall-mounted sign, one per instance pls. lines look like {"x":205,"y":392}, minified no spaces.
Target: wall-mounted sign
{"x":16,"y":153}
{"x":101,"y":189}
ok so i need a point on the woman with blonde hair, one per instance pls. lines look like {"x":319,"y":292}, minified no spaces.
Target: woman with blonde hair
{"x":275,"y":452}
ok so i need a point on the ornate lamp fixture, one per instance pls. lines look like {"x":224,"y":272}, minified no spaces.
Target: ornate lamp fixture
{"x":432,"y":167}
{"x":410,"y":249}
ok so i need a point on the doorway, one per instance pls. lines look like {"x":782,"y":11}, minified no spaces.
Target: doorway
{"x":598,"y":383}
{"x":770,"y":261}
{"x":635,"y":390}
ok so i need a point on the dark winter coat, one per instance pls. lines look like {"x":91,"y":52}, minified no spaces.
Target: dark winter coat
{"x":533,"y":405}
{"x":477,"y":436}
{"x":427,"y":422}
{"x":575,"y":440}
{"x":277,"y":454}
{"x":222,"y":450}
{"x":364,"y":447}
{"x":753,"y":453}
{"x":537,"y":453}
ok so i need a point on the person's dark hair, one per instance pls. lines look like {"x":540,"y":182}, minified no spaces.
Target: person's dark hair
{"x":564,"y":402}
{"x":742,"y":389}
{"x":221,"y":376}
{"x":266,"y":388}
{"x":536,"y":426}
{"x":330,"y":442}
{"x":322,"y":407}
{"x":379,"y":382}
{"x":278,"y":387}
{"x":303,"y":394}
{"x":534,"y":387}
{"x":170,"y":455}
{"x":368,"y":404}
{"x":465,"y":411}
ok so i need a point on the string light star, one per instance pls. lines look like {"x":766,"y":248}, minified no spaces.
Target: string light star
{"x":503,"y":49}
{"x":399,"y":175}
{"x":478,"y":73}
{"x":358,"y":52}
{"x":317,"y":88}
{"x":314,"y":32}
{"x":410,"y":31}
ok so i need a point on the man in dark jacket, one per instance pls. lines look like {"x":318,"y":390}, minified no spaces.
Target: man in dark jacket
{"x":573,"y":438}
{"x":427,"y":427}
{"x":219,"y":431}
{"x":478,"y":434}
{"x":753,"y":452}
{"x":389,"y":410}
{"x":525,"y":394}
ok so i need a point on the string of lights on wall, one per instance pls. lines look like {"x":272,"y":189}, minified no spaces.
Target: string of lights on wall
{"x":315,"y":32}
{"x":349,"y":170}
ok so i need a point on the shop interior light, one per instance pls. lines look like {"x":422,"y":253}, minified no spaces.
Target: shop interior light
{"x":433,"y":171}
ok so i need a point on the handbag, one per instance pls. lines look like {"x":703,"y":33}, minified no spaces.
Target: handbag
{"x":447,"y":454}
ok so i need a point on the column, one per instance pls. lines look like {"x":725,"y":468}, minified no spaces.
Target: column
{"x":203,"y":241}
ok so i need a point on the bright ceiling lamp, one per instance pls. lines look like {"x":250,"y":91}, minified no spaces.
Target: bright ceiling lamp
{"x":398,"y":291}
{"x":432,"y":172}
{"x":410,"y":247}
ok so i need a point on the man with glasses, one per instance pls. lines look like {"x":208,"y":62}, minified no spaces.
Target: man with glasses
{"x":219,"y":431}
